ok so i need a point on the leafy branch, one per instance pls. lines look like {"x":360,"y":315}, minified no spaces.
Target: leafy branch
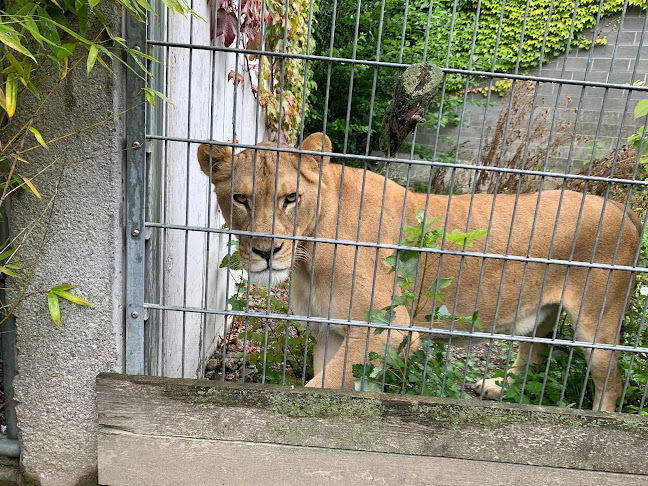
{"x":45,"y":41}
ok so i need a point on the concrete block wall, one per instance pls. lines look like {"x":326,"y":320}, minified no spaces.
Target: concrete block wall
{"x":606,"y":114}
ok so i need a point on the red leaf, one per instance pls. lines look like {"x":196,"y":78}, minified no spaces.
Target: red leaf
{"x":230,"y":76}
{"x":227,"y":24}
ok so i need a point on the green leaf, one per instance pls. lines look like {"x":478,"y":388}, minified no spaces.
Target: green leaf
{"x":149,"y":97}
{"x":146,"y":5}
{"x":376,"y":371}
{"x":641,"y":109}
{"x":7,"y":253}
{"x":534,"y":387}
{"x":367,"y":386}
{"x":55,"y":311}
{"x":65,"y":50}
{"x":442,"y":312}
{"x":7,"y":39}
{"x":11,"y":95}
{"x":82,"y":16}
{"x":459,"y":237}
{"x":62,"y":287}
{"x":92,"y":57}
{"x":5,"y":270}
{"x":234,"y":261}
{"x":443,"y":283}
{"x":379,"y":317}
{"x":151,"y":94}
{"x":72,"y":298}
{"x":49,"y":29}
{"x":93,"y":3}
{"x":394,"y":360}
{"x":38,"y":136}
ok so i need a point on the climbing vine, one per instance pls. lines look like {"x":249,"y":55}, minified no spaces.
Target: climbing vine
{"x":284,"y":84}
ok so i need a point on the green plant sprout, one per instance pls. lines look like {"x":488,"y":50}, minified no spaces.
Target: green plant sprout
{"x":638,"y":138}
{"x":61,"y":291}
{"x":423,"y":371}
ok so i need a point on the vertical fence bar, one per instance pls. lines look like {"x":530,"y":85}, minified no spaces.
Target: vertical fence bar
{"x":8,"y":345}
{"x":135,"y":203}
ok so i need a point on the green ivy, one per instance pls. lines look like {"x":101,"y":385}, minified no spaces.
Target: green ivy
{"x":394,"y":47}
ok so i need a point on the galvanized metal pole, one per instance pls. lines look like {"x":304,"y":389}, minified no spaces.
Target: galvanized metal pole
{"x":135,"y":203}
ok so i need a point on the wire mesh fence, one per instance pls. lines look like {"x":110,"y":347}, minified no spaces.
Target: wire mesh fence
{"x":495,"y":252}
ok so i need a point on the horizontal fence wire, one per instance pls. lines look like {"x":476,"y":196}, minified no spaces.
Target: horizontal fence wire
{"x":269,"y":334}
{"x":395,"y":65}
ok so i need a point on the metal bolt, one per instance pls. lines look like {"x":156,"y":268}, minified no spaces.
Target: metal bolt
{"x":136,"y":145}
{"x":134,"y":314}
{"x":137,"y":48}
{"x":135,"y":233}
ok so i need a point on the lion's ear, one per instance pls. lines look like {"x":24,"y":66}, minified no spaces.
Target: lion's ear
{"x":220,"y":157}
{"x":314,"y":143}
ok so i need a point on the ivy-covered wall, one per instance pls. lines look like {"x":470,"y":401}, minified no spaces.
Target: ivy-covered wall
{"x":586,"y":113}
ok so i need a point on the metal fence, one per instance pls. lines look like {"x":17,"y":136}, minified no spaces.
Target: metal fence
{"x":528,"y":286}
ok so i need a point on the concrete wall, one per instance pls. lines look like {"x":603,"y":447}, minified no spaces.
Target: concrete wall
{"x":79,"y":243}
{"x":614,"y":62}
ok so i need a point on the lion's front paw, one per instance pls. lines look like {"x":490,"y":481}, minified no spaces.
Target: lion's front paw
{"x":492,"y":388}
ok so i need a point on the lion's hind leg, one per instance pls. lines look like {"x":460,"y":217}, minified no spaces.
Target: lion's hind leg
{"x":604,"y":368}
{"x":528,"y":352}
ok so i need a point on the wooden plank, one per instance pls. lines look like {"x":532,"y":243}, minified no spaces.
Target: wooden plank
{"x":420,"y":426}
{"x":127,"y":459}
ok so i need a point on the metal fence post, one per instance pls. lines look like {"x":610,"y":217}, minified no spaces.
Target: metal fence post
{"x":135,"y":199}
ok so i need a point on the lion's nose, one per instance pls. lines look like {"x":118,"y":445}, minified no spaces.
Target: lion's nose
{"x":266,"y":254}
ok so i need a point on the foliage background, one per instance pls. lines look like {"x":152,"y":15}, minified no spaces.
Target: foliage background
{"x":451,"y":44}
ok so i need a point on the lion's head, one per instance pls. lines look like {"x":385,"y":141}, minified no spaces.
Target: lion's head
{"x":267,"y":188}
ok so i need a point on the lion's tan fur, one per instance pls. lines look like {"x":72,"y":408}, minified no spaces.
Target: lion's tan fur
{"x":511,"y":289}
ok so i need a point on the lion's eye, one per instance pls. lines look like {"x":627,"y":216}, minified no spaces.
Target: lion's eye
{"x":291,"y":198}
{"x":240,"y":198}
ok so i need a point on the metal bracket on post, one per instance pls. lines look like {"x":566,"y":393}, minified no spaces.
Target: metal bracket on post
{"x":135,"y":203}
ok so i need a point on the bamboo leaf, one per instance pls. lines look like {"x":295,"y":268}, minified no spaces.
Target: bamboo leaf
{"x":14,"y":44}
{"x":11,"y":95}
{"x":62,"y":287}
{"x":71,"y":297}
{"x":7,"y":253}
{"x":31,"y":187}
{"x":146,"y":5}
{"x":92,"y":57}
{"x":38,"y":136}
{"x":101,"y":61}
{"x":152,"y":93}
{"x":21,"y":69}
{"x":53,"y":305}
{"x":4,"y":270}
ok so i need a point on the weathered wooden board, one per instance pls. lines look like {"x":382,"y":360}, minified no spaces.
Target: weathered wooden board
{"x":136,"y":408}
{"x":205,"y":105}
{"x":128,"y":460}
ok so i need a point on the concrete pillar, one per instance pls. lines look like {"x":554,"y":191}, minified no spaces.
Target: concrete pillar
{"x":78,"y":242}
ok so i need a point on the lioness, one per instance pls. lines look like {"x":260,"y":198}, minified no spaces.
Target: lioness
{"x":512,"y":297}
